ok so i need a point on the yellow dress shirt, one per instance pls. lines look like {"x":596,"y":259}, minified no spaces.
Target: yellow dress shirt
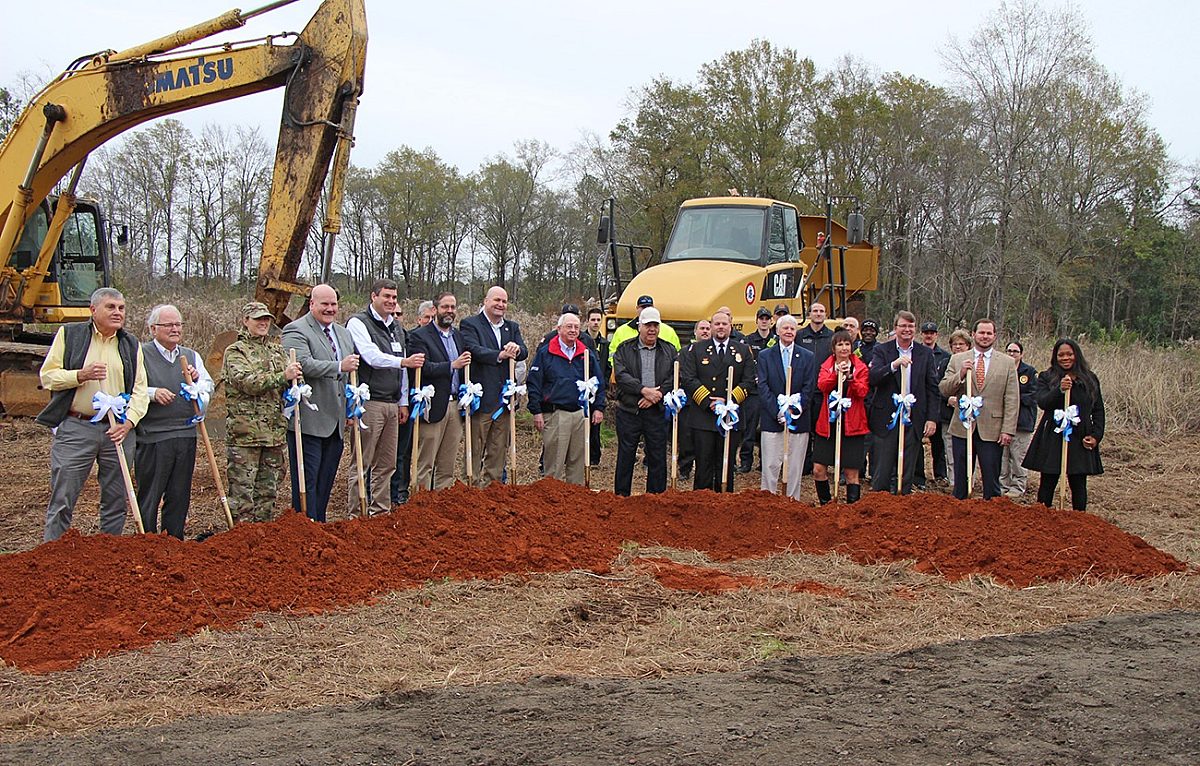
{"x":100,"y":349}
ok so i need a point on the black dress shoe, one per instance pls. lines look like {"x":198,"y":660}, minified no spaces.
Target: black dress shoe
{"x":744,"y":468}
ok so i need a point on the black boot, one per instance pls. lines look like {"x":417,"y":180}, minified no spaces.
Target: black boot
{"x":823,"y":494}
{"x":853,"y":493}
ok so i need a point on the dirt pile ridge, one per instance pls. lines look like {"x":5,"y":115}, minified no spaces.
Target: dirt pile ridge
{"x":82,"y":596}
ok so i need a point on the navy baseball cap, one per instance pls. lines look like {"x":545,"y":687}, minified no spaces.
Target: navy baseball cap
{"x":570,"y":308}
{"x":929,"y":327}
{"x":644,"y":301}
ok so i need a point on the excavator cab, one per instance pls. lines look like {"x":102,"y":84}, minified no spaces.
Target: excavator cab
{"x":80,"y":264}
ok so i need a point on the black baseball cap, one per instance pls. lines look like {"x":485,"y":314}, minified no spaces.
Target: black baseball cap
{"x":763,"y":312}
{"x":871,"y":324}
{"x":644,"y":301}
{"x":781,"y":309}
{"x":570,"y":308}
{"x":929,"y":327}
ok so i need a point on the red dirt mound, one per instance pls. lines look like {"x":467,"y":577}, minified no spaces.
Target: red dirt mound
{"x":84,"y":596}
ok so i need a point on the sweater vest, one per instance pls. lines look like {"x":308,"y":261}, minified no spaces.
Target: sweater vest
{"x":169,"y":421}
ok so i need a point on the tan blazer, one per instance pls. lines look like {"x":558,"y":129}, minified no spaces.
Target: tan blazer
{"x":1001,"y":396}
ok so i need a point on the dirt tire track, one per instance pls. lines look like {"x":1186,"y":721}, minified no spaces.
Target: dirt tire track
{"x":1119,"y":690}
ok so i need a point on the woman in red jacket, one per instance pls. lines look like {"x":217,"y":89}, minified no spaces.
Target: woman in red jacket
{"x":854,"y":418}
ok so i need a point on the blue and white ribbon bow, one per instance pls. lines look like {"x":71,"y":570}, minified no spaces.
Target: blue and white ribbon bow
{"x":791,"y":406}
{"x":587,"y":391}
{"x":199,"y":392}
{"x":674,"y":402}
{"x":1067,"y":420}
{"x":469,"y":395}
{"x":837,"y":405}
{"x":104,"y":403}
{"x":727,"y":416}
{"x":420,"y":398}
{"x":508,"y":397}
{"x":903,"y":414}
{"x":294,"y":395}
{"x":355,"y":396}
{"x":968,"y":408}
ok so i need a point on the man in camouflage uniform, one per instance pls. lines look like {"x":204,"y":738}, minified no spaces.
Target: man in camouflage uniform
{"x":255,"y":372}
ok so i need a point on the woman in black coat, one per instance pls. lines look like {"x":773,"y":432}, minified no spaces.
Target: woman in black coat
{"x":1068,"y":371}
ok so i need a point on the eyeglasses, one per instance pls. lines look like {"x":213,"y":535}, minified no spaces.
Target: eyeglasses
{"x":1014,"y":350}
{"x":170,"y":325}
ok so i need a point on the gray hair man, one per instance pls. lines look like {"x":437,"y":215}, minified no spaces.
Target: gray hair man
{"x":87,"y":362}
{"x":166,"y":436}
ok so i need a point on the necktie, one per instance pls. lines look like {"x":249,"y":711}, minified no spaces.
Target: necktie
{"x":332,"y":345}
{"x":980,"y":372}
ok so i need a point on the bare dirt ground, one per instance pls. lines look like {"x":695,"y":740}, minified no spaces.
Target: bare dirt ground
{"x":886,"y":664}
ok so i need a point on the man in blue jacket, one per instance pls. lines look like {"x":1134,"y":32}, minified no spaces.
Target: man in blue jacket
{"x":556,"y":399}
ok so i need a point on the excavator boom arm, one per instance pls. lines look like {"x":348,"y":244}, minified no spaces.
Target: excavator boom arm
{"x":322,"y":71}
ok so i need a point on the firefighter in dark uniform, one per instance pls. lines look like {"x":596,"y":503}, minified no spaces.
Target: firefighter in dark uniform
{"x":703,"y":374}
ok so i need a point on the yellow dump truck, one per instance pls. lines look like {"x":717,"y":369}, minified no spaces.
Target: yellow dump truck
{"x":745,"y":253}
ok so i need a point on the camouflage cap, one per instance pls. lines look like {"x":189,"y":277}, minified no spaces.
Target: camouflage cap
{"x":255,"y":310}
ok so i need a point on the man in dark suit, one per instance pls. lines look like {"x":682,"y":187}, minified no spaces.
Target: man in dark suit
{"x":937,"y":446}
{"x":777,"y":434}
{"x":325,"y":351}
{"x":441,"y":428}
{"x":492,"y":341}
{"x":594,"y":329}
{"x":898,"y":365}
{"x":703,"y":371}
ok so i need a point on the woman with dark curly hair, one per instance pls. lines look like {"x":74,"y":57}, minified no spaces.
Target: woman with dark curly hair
{"x":1068,"y":371}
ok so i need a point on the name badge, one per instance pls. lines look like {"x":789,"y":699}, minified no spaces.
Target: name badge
{"x":397,"y":347}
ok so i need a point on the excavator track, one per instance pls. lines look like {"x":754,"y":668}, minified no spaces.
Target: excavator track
{"x":21,"y":392}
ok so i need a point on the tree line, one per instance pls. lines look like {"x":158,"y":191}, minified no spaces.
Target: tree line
{"x":1029,"y":187}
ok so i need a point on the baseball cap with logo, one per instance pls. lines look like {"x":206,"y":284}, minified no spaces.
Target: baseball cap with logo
{"x":255,"y":310}
{"x":570,"y":308}
{"x":650,"y":314}
{"x":870,"y":324}
{"x":644,"y":301}
{"x":781,"y":309}
{"x":929,"y":327}
{"x":763,"y":312}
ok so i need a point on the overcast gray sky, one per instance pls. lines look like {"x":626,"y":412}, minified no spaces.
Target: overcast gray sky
{"x":469,"y":78}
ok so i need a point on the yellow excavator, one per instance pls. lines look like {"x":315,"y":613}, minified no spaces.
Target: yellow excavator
{"x":54,"y":246}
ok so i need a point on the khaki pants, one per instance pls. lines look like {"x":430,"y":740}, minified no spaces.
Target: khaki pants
{"x":1012,"y":475}
{"x":563,"y":442}
{"x":489,"y":446}
{"x":437,"y":452}
{"x":379,"y":439}
{"x":772,"y":446}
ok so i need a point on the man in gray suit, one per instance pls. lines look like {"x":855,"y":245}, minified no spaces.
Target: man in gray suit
{"x":325,"y":351}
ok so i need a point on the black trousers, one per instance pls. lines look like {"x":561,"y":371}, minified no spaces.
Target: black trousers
{"x":164,"y":474}
{"x":321,"y":457}
{"x":710,"y":448}
{"x":937,"y":448}
{"x":887,"y":454}
{"x":1076,"y":481}
{"x":687,"y":449}
{"x":402,"y":478}
{"x":648,"y":425}
{"x":594,"y":444}
{"x":988,"y":456}
{"x":750,"y":411}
